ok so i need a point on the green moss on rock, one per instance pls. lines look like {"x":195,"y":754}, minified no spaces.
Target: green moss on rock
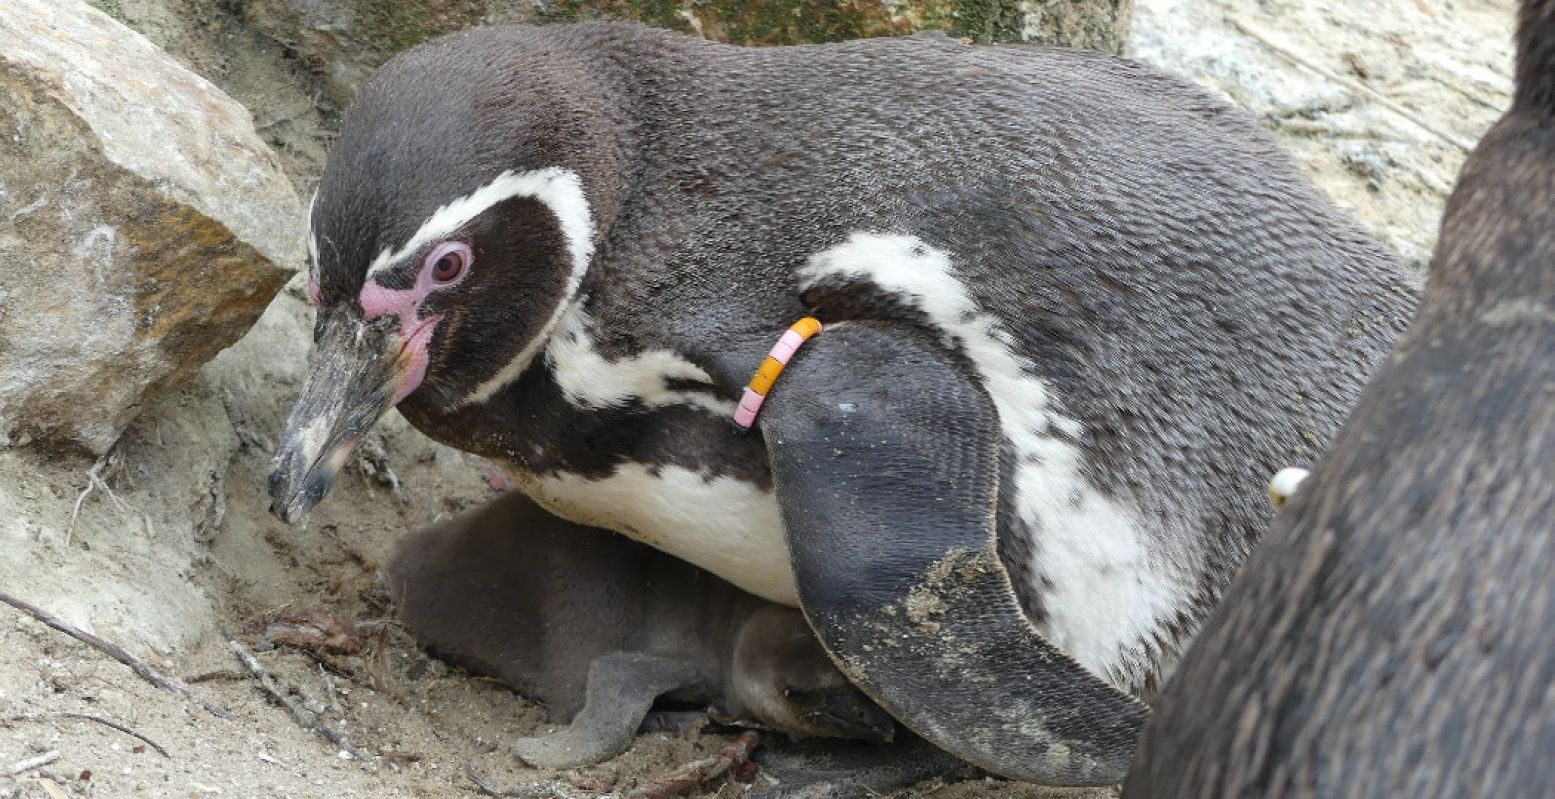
{"x":1090,"y":24}
{"x":804,"y":21}
{"x":393,"y":25}
{"x":775,"y":22}
{"x":344,"y":40}
{"x":113,"y":8}
{"x":988,"y":20}
{"x":1080,"y":23}
{"x":659,"y":13}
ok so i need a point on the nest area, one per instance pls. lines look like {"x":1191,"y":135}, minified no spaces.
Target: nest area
{"x":165,"y":545}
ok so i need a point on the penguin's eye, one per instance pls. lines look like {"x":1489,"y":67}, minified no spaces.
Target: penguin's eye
{"x":448,"y":267}
{"x":448,"y":261}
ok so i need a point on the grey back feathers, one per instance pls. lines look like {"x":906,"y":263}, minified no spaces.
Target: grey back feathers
{"x":1391,"y":637}
{"x":1138,"y":305}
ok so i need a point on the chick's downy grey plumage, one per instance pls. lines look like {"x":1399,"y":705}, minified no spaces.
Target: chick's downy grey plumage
{"x":1078,"y":312}
{"x":597,"y":627}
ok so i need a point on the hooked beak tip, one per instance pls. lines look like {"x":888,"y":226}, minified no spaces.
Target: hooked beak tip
{"x":285,"y":503}
{"x":285,"y":511}
{"x":290,"y":508}
{"x":298,"y":485}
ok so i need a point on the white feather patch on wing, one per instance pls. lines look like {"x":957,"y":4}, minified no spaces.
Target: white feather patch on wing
{"x":1106,"y":589}
{"x":310,"y":237}
{"x":1284,"y":485}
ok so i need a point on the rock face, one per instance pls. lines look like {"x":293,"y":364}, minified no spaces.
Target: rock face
{"x":143,"y":224}
{"x":342,"y":41}
{"x":1380,"y":100}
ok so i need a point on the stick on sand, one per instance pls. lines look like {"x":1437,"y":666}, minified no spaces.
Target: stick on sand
{"x":114,"y":651}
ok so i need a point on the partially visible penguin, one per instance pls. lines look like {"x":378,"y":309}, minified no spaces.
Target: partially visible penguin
{"x":596,"y":627}
{"x":1075,"y":312}
{"x":1393,"y":634}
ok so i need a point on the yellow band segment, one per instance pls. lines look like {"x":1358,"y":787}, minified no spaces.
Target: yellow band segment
{"x":761,"y":384}
{"x":771,"y":367}
{"x":806,"y":327}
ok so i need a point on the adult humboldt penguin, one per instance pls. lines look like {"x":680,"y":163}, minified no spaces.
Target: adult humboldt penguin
{"x":1391,"y":637}
{"x":1076,"y":312}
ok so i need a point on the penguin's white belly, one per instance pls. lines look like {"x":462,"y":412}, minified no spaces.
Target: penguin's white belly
{"x":726,"y":526}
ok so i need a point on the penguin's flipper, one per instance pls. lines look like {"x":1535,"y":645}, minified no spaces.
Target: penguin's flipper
{"x":620,"y":691}
{"x":885,"y":457}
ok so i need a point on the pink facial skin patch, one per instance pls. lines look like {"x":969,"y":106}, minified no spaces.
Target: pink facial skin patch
{"x":414,"y":357}
{"x":415,"y":333}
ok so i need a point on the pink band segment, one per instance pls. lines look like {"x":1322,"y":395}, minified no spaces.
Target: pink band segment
{"x":750,"y":405}
{"x":751,"y":401}
{"x":789,"y":341}
{"x":788,"y":344}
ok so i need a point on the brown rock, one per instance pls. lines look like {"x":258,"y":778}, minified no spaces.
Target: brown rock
{"x":143,"y":225}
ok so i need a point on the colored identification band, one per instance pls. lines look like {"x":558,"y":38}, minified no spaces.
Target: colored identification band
{"x":756,"y":391}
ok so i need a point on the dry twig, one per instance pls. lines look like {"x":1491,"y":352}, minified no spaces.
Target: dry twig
{"x":22,"y":766}
{"x":303,"y":716}
{"x":114,"y":651}
{"x":219,"y":674}
{"x":329,"y":688}
{"x":480,"y":782}
{"x":48,"y":786}
{"x":94,"y":479}
{"x":694,"y":775}
{"x":120,"y":728}
{"x":1359,"y":88}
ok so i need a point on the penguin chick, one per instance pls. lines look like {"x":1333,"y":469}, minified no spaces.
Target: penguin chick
{"x":784,"y":678}
{"x":596,"y":627}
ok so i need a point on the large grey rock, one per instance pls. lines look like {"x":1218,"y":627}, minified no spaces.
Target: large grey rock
{"x":143,"y":225}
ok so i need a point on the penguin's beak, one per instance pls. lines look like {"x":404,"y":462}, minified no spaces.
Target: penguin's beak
{"x":357,"y":371}
{"x":855,"y":717}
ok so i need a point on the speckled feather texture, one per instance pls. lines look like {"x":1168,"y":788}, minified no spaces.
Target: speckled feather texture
{"x":1161,"y":262}
{"x":1392,"y":635}
{"x":1162,"y":310}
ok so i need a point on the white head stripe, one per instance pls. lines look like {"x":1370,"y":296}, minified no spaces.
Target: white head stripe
{"x":561,"y":192}
{"x":559,"y":189}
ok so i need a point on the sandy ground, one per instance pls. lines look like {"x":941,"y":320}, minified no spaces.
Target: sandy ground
{"x":174,"y":546}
